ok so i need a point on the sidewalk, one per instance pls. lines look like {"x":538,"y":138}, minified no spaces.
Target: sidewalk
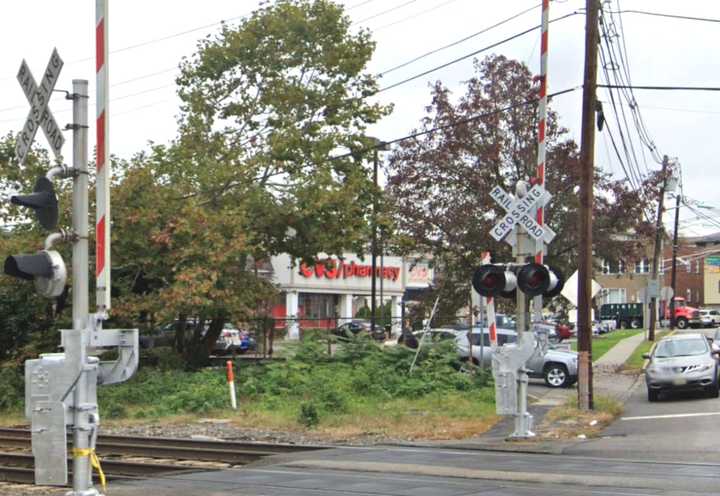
{"x":616,"y":356}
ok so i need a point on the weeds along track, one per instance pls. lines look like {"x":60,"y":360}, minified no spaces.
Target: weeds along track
{"x":159,"y":455}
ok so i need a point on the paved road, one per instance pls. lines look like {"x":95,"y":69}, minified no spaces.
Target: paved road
{"x":394,"y":471}
{"x":679,"y":427}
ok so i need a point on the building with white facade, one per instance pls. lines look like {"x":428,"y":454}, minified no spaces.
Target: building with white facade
{"x":332,"y":290}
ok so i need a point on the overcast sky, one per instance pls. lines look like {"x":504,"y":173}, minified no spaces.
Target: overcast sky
{"x":149,"y":37}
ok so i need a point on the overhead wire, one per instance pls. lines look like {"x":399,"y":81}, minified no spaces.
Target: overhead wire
{"x":460,"y":122}
{"x":382,"y":13}
{"x":660,"y":14}
{"x":413,"y":16}
{"x":471,"y":54}
{"x":461,"y":40}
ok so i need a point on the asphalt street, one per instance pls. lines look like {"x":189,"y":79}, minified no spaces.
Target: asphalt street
{"x":399,"y":471}
{"x":678,"y":427}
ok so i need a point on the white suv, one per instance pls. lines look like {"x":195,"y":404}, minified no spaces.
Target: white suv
{"x":710,"y":318}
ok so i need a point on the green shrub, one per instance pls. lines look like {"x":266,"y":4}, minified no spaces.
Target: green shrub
{"x":12,"y":387}
{"x":308,"y":386}
{"x":308,"y":415}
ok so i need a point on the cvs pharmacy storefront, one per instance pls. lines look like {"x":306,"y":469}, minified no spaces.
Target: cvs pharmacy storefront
{"x":332,"y":291}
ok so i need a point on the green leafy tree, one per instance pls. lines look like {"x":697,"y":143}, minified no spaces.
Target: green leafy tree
{"x":266,"y":105}
{"x":440,"y":183}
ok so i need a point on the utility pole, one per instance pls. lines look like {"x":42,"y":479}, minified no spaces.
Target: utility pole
{"x":587,"y":162}
{"x":673,"y":277}
{"x":656,"y":254}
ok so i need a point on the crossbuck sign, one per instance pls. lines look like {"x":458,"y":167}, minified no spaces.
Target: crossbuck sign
{"x":520,"y":212}
{"x":39,"y":116}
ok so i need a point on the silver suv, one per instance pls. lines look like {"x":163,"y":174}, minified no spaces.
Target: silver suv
{"x":682,"y":362}
{"x":557,"y":367}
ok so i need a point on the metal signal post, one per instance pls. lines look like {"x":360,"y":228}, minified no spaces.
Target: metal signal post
{"x":61,"y":388}
{"x":521,"y":280}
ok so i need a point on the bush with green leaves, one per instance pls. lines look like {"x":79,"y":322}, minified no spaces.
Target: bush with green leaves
{"x":308,"y":386}
{"x":361,"y":370}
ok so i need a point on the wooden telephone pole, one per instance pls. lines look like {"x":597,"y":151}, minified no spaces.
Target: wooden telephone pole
{"x":587,"y":158}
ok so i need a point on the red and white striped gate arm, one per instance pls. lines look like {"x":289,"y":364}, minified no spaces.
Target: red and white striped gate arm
{"x":102,"y":228}
{"x":490,"y":308}
{"x":542,"y":122}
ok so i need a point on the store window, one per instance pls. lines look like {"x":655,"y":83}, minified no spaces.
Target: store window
{"x":317,"y":306}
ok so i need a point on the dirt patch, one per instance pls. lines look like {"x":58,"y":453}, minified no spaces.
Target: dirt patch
{"x":569,"y":422}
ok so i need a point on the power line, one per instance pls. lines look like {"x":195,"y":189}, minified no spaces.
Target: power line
{"x":414,"y":16}
{"x":661,"y":88}
{"x":462,"y":40}
{"x":454,"y":124}
{"x":465,"y":57}
{"x":392,"y":9}
{"x":671,"y":16}
{"x":353,"y":7}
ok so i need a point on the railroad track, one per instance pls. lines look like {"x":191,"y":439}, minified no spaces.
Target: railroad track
{"x":17,"y":467}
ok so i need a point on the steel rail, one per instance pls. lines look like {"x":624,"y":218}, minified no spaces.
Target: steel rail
{"x":232,"y":452}
{"x":112,"y":467}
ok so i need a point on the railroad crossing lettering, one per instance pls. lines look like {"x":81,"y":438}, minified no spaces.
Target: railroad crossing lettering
{"x":40,"y":116}
{"x":520,"y":212}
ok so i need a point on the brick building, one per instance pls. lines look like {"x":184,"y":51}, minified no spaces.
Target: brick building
{"x":689,"y":271}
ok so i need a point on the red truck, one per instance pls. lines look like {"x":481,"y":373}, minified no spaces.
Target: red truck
{"x":685,"y":316}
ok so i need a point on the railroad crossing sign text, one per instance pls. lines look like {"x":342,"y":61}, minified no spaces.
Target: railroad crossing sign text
{"x":520,"y":212}
{"x":40,"y":116}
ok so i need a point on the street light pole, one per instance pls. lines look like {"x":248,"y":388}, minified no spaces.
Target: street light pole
{"x":373,"y":247}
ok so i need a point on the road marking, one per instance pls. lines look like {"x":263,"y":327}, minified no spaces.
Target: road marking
{"x":676,"y":415}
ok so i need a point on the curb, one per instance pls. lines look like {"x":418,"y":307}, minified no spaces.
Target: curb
{"x":501,"y":447}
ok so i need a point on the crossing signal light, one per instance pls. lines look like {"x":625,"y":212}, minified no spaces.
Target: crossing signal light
{"x":535,"y":279}
{"x":494,"y":280}
{"x":43,"y":200}
{"x":503,"y":280}
{"x":46,"y":268}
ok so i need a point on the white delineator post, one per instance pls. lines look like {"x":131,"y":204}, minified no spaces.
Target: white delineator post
{"x":542,"y":118}
{"x":231,"y":384}
{"x":102,"y":228}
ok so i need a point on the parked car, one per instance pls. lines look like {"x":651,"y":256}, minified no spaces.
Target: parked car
{"x":230,"y":341}
{"x":709,"y":318}
{"x":557,"y":367}
{"x":682,"y":362}
{"x":355,"y":327}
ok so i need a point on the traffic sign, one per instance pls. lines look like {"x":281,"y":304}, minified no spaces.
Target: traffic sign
{"x":569,"y":291}
{"x":40,"y":115}
{"x":520,"y":212}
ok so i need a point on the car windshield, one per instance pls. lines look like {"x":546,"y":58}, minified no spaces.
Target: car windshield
{"x":681,"y":347}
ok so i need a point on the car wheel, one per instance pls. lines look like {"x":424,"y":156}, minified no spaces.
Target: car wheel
{"x":556,"y":375}
{"x":653,"y":395}
{"x":682,"y":323}
{"x":635,"y":323}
